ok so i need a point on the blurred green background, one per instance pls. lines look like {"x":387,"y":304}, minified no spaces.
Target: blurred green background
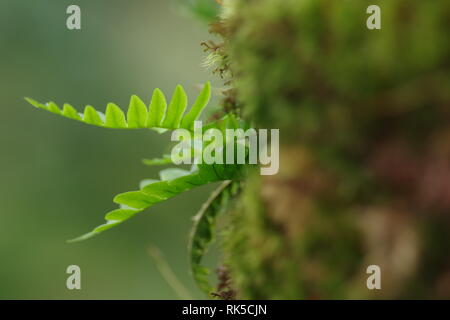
{"x":58,"y":176}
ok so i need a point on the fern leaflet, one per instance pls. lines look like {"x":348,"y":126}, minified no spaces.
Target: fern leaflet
{"x":158,"y":116}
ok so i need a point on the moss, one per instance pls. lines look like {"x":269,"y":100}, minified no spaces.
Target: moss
{"x":290,"y":54}
{"x":364,"y":126}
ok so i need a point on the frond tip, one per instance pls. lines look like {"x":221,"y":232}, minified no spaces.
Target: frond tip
{"x":157,"y":116}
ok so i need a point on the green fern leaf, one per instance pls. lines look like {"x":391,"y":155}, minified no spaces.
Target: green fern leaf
{"x":158,"y":107}
{"x":91,"y":116}
{"x":52,"y":107}
{"x":176,"y":109}
{"x":172,"y":173}
{"x":197,"y":107}
{"x":34,"y":103}
{"x":174,"y":181}
{"x":115,"y":118}
{"x":159,"y":117}
{"x":70,"y":112}
{"x":137,"y":113}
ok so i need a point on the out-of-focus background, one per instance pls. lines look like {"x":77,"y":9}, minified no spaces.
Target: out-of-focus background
{"x":58,"y":176}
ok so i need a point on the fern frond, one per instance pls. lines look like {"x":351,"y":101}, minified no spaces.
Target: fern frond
{"x":173,"y":181}
{"x":203,"y":231}
{"x":158,"y":116}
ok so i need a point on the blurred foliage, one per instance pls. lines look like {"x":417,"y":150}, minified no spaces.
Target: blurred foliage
{"x":203,"y":10}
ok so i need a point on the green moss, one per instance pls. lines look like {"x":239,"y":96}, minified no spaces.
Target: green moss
{"x":292,"y":55}
{"x":369,"y":108}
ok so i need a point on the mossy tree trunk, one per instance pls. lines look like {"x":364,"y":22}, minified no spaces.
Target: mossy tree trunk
{"x":364,"y":119}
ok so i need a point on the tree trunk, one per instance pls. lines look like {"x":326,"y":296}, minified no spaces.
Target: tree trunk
{"x":364,"y":119}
